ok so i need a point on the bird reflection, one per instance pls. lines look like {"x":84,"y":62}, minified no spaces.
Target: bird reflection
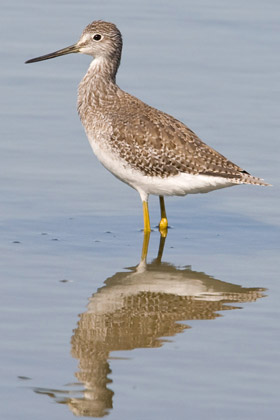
{"x":136,"y":309}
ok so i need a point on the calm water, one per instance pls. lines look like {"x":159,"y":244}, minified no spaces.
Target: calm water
{"x":87,"y":329}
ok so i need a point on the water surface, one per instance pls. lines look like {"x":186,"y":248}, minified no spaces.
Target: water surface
{"x":87,"y":328}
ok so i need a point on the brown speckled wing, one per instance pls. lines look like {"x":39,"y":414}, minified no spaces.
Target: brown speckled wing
{"x":159,"y":145}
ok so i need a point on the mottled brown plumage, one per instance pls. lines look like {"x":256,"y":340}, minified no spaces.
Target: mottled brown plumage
{"x":159,"y":145}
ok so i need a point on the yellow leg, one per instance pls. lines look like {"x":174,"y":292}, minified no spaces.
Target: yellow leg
{"x":163,"y":224}
{"x":147,"y":227}
{"x":145,"y":246}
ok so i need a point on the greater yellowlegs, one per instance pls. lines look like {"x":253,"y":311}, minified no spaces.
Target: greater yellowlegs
{"x":147,"y":149}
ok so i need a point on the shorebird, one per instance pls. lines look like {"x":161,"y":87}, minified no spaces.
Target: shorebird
{"x":146,"y":148}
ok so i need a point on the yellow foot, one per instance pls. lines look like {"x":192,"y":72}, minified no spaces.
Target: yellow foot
{"x":163,"y":224}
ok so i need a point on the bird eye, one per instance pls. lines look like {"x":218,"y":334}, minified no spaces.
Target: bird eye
{"x":96,"y":37}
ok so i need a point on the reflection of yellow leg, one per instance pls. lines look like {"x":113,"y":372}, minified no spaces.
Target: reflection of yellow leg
{"x":163,"y":224}
{"x":161,"y":248}
{"x":145,"y":246}
{"x":147,"y":227}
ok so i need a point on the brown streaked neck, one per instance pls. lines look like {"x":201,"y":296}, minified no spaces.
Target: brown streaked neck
{"x":99,"y":83}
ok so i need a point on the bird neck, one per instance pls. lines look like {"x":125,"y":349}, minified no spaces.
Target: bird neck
{"x":103,"y":68}
{"x":98,"y":85}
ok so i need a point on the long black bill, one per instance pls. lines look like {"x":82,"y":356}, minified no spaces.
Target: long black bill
{"x":64,"y":51}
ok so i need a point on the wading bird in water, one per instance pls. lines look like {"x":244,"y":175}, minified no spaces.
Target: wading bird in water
{"x":147,"y":149}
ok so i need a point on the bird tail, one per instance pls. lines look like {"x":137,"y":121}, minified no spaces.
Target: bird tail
{"x":250,"y":179}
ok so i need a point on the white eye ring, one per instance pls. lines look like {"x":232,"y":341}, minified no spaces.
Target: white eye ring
{"x":97,"y":37}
